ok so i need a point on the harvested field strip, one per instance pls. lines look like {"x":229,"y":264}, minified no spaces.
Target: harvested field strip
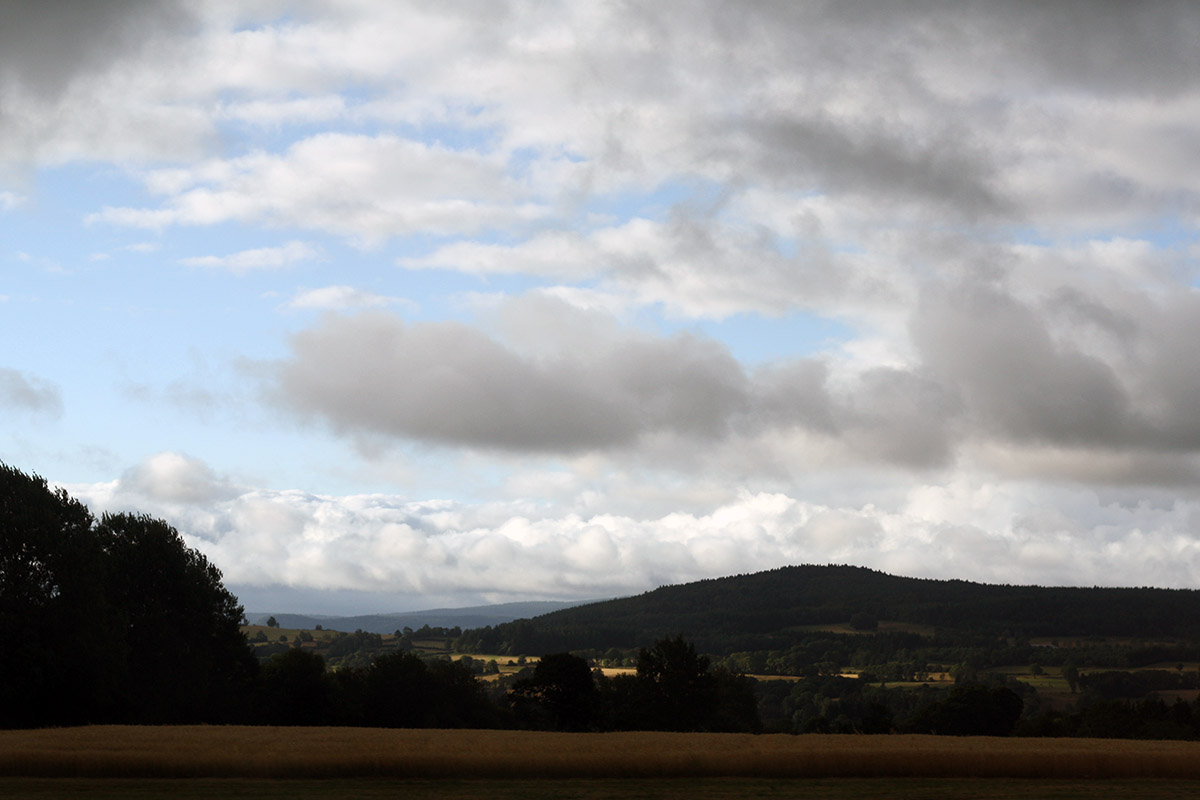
{"x":667,"y":789}
{"x":260,"y":752}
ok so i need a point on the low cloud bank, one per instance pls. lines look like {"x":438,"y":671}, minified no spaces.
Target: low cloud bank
{"x":443,"y":551}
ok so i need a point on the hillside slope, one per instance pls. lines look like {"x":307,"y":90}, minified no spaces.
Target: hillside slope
{"x":767,"y":609}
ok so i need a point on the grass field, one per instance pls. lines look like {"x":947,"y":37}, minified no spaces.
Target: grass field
{"x":273,"y":634}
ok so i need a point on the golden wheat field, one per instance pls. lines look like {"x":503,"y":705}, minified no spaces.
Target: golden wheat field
{"x":262,"y":752}
{"x":597,"y":789}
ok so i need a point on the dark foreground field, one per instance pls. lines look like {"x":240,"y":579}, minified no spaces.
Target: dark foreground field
{"x":599,"y":789}
{"x":186,"y":762}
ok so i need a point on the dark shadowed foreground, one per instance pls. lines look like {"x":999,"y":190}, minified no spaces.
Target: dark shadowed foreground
{"x":600,"y":789}
{"x":258,"y":752}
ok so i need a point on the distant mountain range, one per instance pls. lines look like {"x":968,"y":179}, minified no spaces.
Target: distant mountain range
{"x":470,"y":617}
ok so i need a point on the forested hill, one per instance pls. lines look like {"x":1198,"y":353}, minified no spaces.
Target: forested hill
{"x":767,"y":609}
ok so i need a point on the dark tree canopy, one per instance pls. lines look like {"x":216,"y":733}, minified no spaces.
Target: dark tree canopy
{"x":182,"y":624}
{"x":972,"y":710}
{"x":53,"y":607}
{"x":116,"y":621}
{"x":680,"y":692}
{"x":293,"y":690}
{"x":560,"y":695}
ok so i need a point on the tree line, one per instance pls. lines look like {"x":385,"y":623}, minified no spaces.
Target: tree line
{"x":672,"y":689}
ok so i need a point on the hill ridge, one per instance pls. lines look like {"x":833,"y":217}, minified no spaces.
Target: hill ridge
{"x":762,"y":610}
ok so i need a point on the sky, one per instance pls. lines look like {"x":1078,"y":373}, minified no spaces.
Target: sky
{"x":393,"y":306}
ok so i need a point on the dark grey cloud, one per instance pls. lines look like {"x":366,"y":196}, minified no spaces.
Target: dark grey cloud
{"x":904,"y":417}
{"x":853,"y":158}
{"x":1107,"y":46}
{"x":451,"y":384}
{"x":43,"y":45}
{"x":1085,"y":311}
{"x":794,"y":393}
{"x":1092,"y":385}
{"x":22,"y":392}
{"x":1169,"y":364}
{"x":997,"y":356}
{"x":447,"y":382}
{"x":1084,"y":45}
{"x":942,"y":103}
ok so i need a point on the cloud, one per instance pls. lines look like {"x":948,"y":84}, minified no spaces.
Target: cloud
{"x":173,"y":478}
{"x":259,"y":258}
{"x":44,"y":46}
{"x":279,"y":112}
{"x":556,"y":379}
{"x":694,"y":265}
{"x":82,"y":81}
{"x":340,"y":298}
{"x":975,"y":111}
{"x":553,"y":254}
{"x":884,"y":164}
{"x":367,"y":188}
{"x":10,"y":201}
{"x":1089,"y":47}
{"x":1007,"y":369}
{"x":1106,"y":374}
{"x":446,"y":382}
{"x":22,"y":392}
{"x":378,"y":544}
{"x":1075,"y":388}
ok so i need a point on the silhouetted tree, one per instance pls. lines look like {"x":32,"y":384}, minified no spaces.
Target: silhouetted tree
{"x":188,"y":656}
{"x":58,"y":664}
{"x":674,"y":690}
{"x":679,"y":693}
{"x":293,"y":690}
{"x":400,"y":690}
{"x":736,"y":706}
{"x":112,"y":622}
{"x":972,"y":709}
{"x":1070,"y":673}
{"x":560,"y":695}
